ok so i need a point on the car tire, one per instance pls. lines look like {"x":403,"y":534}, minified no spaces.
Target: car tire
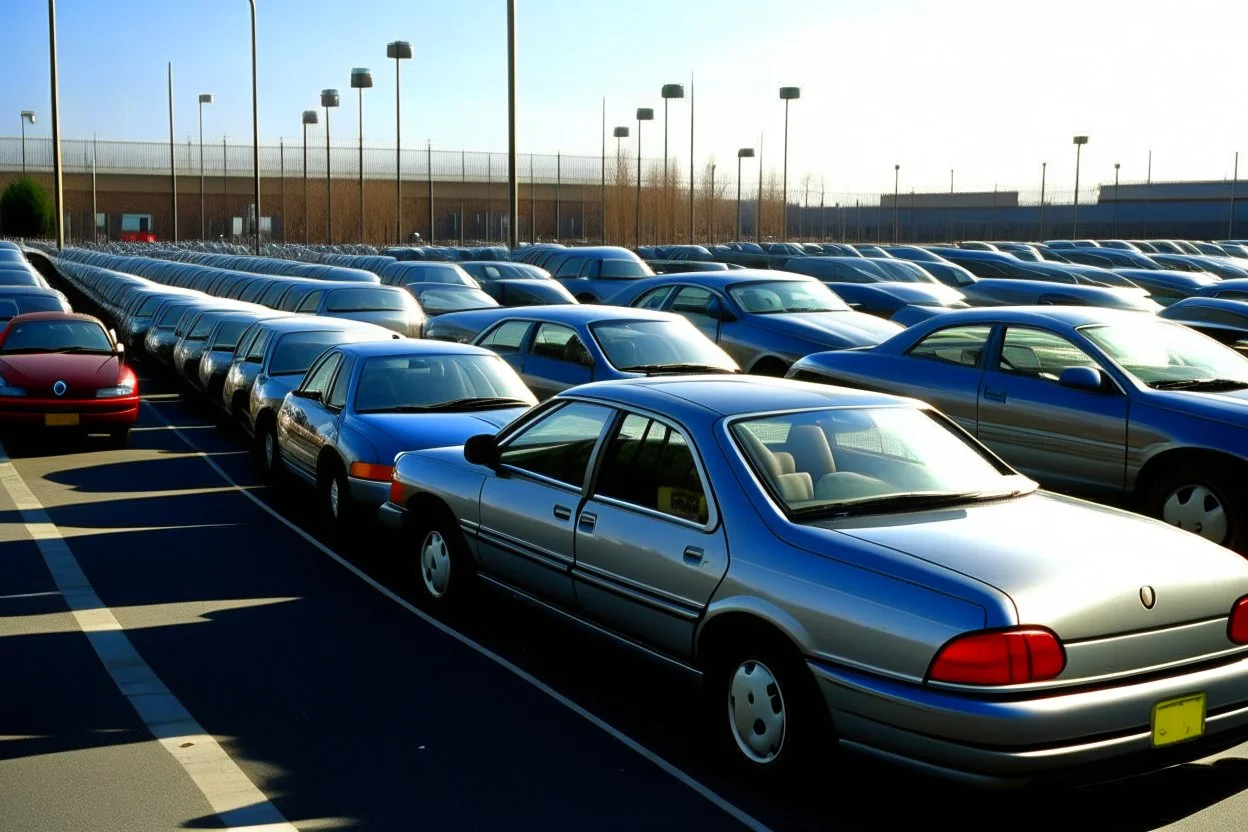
{"x":268,"y":454}
{"x":1202,"y":499}
{"x":119,"y":438}
{"x":766,"y":711}
{"x":443,"y":568}
{"x":336,"y":506}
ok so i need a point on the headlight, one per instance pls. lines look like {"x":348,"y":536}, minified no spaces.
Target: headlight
{"x":8,"y":390}
{"x":114,"y":392}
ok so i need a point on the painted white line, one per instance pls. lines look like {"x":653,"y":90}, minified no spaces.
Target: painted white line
{"x":235,"y":799}
{"x":719,"y":802}
{"x":28,"y":595}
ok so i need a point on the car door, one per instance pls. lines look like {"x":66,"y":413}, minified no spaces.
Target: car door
{"x":303,"y":411}
{"x":508,"y":339}
{"x":528,"y":507}
{"x":1066,"y":438}
{"x":556,"y":360}
{"x":943,"y":368}
{"x":649,"y":546}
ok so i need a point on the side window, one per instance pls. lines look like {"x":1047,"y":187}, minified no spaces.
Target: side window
{"x":310,"y":303}
{"x":954,"y":345}
{"x":592,"y":269}
{"x":258,"y":346}
{"x":561,"y":344}
{"x":650,"y":465}
{"x":318,"y":377}
{"x":570,"y":267}
{"x":338,"y":391}
{"x":507,"y":337}
{"x":653,"y":299}
{"x":1039,"y":354}
{"x":245,"y":340}
{"x":692,"y":300}
{"x":558,"y":446}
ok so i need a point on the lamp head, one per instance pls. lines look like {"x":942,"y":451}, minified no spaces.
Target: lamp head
{"x":620,"y":133}
{"x":399,"y":50}
{"x":790,"y":93}
{"x":645,"y":114}
{"x":361,"y":79}
{"x":29,"y":115}
{"x":745,"y":153}
{"x":206,"y":98}
{"x":672,"y":91}
{"x":1081,"y":139}
{"x":329,"y":98}
{"x":311,"y":117}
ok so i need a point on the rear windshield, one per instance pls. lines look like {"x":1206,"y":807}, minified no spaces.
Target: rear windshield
{"x":34,"y":303}
{"x":365,"y":300}
{"x":296,"y":351}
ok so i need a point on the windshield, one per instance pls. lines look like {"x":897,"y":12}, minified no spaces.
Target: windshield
{"x":365,"y":300}
{"x":652,"y":346}
{"x":435,"y":301}
{"x":1168,"y":355}
{"x":404,"y":383}
{"x":228,"y":335}
{"x":296,"y":351}
{"x":56,"y":336}
{"x":830,"y":460}
{"x":625,"y":268}
{"x":786,"y":296}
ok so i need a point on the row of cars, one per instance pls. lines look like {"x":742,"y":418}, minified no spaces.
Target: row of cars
{"x":847,"y":569}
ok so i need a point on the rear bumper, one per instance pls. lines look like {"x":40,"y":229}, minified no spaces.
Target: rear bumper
{"x":392,"y":516}
{"x":90,"y":412}
{"x":1084,"y":736}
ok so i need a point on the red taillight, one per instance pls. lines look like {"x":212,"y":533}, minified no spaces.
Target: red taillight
{"x":1237,"y":627}
{"x":396,"y":491}
{"x":367,"y":471}
{"x":1001,"y":657}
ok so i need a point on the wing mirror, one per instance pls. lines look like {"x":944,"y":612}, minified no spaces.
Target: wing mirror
{"x":120,"y":349}
{"x":1082,"y":378}
{"x":482,"y":449}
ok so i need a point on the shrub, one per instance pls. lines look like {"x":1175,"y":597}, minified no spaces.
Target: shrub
{"x":26,"y":210}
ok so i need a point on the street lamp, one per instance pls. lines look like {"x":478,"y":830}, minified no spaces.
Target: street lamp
{"x":1115,"y":222}
{"x":204,"y":98}
{"x":619,"y":133}
{"x":255,"y":126}
{"x":27,"y":115}
{"x":329,"y":98}
{"x":669,"y":91}
{"x":1044,"y":170}
{"x":896,"y":177}
{"x":1080,"y":141}
{"x":787,"y":94}
{"x":309,"y":117}
{"x":361,"y":79}
{"x":399,"y":50}
{"x":643,"y":114}
{"x":743,"y":153}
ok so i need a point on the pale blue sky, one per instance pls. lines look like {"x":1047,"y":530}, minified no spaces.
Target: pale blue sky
{"x":990,"y":89}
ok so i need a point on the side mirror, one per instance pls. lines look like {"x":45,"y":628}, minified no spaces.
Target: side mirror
{"x":482,"y":449}
{"x":1082,"y":378}
{"x":120,"y":349}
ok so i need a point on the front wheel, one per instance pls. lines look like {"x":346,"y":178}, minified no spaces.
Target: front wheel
{"x":268,"y":455}
{"x":1203,"y":501}
{"x":442,"y":567}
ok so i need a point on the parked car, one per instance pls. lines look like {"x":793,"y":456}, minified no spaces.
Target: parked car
{"x":63,"y":371}
{"x":867,"y":287}
{"x":362,"y":404}
{"x":1223,"y":267}
{"x":218,"y":350}
{"x":407,"y":273}
{"x":22,"y":300}
{"x":189,"y":348}
{"x":1112,"y":405}
{"x":557,"y":347}
{"x":593,"y":274}
{"x":764,"y":320}
{"x":833,"y":559}
{"x":1223,"y":320}
{"x":440,"y":298}
{"x":171,"y":323}
{"x":392,"y":307}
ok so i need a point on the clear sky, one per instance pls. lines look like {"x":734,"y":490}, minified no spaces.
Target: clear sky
{"x":990,"y":89}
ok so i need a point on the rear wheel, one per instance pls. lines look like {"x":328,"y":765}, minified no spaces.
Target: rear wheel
{"x":1202,"y":500}
{"x":268,"y":455}
{"x":336,"y":503}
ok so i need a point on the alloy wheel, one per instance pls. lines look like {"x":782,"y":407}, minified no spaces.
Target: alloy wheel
{"x":435,"y":564}
{"x":334,"y":505}
{"x":756,"y":712}
{"x":1197,"y":509}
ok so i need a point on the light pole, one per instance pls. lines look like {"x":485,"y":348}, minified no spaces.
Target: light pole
{"x":643,"y":114}
{"x":204,"y":98}
{"x":255,"y":127}
{"x":59,"y":187}
{"x":668,"y":92}
{"x":329,"y":98}
{"x":1079,"y":141}
{"x":399,"y":50}
{"x":513,"y":183}
{"x":361,"y":79}
{"x":1044,"y":169}
{"x":710,"y":212}
{"x":896,"y":178}
{"x":620,"y":133}
{"x":173,"y":170}
{"x":309,"y":117}
{"x":787,"y":94}
{"x":1115,"y":222}
{"x":27,"y":115}
{"x":743,"y":153}
{"x":950,"y":206}
{"x":1230,"y":226}
{"x":691,"y":162}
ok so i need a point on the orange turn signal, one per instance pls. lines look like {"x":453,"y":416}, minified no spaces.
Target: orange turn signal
{"x":366,"y":471}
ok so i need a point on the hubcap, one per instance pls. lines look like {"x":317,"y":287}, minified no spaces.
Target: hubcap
{"x":435,"y":564}
{"x":756,"y":712}
{"x":270,"y":449}
{"x":333,"y":497}
{"x":1195,"y":508}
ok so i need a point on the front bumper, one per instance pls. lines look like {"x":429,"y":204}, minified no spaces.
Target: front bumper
{"x":392,"y":516}
{"x":28,"y":412}
{"x":369,"y":493}
{"x":1085,"y":735}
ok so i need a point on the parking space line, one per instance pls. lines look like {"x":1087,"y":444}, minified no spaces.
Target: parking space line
{"x":702,"y":790}
{"x":236,"y":800}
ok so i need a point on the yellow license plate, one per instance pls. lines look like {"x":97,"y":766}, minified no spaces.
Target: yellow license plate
{"x":60,"y":420}
{"x":1176,"y":720}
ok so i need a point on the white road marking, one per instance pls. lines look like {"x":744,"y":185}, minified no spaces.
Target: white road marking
{"x":240,"y":805}
{"x":739,"y":814}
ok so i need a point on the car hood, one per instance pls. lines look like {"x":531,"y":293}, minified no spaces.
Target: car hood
{"x":1229,"y":406}
{"x":932,"y":294}
{"x":1070,"y":565}
{"x":392,"y":433}
{"x":79,"y":371}
{"x":852,"y":329}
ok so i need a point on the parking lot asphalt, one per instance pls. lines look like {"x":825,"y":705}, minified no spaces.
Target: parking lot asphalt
{"x":310,"y":663}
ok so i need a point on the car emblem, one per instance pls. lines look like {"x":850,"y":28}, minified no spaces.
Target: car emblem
{"x":59,"y":388}
{"x":1148,"y":597}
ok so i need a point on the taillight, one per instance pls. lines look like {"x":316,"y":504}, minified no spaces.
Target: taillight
{"x":1000,"y":657}
{"x":367,"y":471}
{"x":396,"y":491}
{"x":1237,"y":627}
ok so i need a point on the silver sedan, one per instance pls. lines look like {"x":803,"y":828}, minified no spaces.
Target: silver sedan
{"x":846,"y":568}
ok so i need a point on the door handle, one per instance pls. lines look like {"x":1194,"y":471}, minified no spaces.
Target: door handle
{"x":694,"y":555}
{"x":587,"y":522}
{"x":563,"y":512}
{"x":994,"y":395}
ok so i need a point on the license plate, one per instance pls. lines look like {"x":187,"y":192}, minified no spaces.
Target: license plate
{"x":1176,"y":720}
{"x":60,"y":420}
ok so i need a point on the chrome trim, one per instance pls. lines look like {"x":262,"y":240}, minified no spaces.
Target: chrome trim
{"x":616,"y":587}
{"x":545,"y":557}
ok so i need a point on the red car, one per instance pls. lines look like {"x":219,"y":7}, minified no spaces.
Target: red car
{"x":62,"y":370}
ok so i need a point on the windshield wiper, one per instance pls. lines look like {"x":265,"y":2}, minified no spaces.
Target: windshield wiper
{"x":1197,"y":384}
{"x":887,"y":503}
{"x":659,"y":369}
{"x":476,"y":403}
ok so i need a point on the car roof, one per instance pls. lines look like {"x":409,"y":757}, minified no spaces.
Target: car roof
{"x":54,"y":316}
{"x":729,"y":395}
{"x":731,"y":278}
{"x":1072,"y":316}
{"x":303,"y":323}
{"x":574,"y":313}
{"x":410,"y":346}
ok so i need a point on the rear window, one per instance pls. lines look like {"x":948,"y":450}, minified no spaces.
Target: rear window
{"x":365,"y":300}
{"x":34,"y":303}
{"x":624,"y":269}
